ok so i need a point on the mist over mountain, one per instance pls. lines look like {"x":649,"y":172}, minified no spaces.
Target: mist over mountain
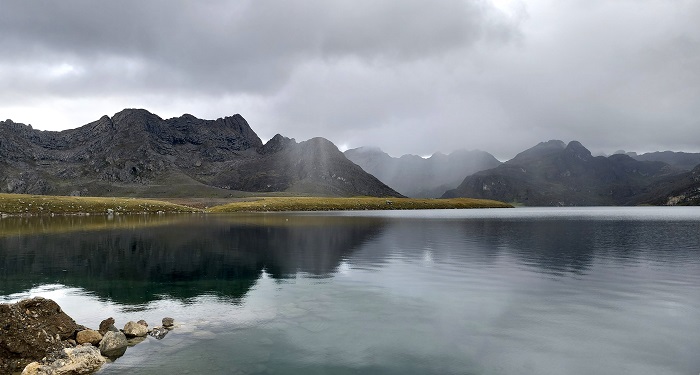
{"x":678,"y":190}
{"x":414,"y":176}
{"x":682,"y":160}
{"x":136,"y":152}
{"x":556,"y":174}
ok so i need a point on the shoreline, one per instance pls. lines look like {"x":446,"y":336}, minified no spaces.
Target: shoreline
{"x":42,"y":339}
{"x":22,"y":205}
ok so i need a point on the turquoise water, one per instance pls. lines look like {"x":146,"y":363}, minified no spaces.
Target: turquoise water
{"x":519,"y":291}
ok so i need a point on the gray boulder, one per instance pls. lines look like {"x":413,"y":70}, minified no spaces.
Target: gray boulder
{"x":113,"y":344}
{"x":84,"y":359}
{"x":168,"y":322}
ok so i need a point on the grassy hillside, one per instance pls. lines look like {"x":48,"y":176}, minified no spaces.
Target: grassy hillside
{"x":358,"y":203}
{"x":18,"y":204}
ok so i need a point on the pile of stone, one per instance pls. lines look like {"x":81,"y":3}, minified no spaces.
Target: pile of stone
{"x":37,"y":336}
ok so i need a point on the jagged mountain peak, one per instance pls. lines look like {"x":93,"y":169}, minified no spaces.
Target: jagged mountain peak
{"x":138,"y":152}
{"x":576,"y":149}
{"x":367,"y":150}
{"x":322,"y":142}
{"x":15,"y":125}
{"x":411,"y":157}
{"x":276,"y":144}
{"x":133,"y":114}
{"x":538,"y":151}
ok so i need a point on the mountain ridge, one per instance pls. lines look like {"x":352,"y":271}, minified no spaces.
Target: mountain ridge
{"x":551,"y":174}
{"x":419,"y":177}
{"x":138,"y":152}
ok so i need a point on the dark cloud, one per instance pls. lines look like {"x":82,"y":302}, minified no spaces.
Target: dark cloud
{"x":409,"y":76}
{"x":229,"y":47}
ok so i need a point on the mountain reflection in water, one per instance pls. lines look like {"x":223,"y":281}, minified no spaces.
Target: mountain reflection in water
{"x":521,"y":291}
{"x":136,"y":261}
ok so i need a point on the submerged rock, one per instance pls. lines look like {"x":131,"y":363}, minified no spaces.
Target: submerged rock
{"x":29,"y":330}
{"x":159,"y":332}
{"x":84,"y":359}
{"x":113,"y":344}
{"x":133,"y":329}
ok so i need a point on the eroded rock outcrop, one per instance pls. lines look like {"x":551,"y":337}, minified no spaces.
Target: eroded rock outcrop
{"x":84,"y":359}
{"x":30,"y":329}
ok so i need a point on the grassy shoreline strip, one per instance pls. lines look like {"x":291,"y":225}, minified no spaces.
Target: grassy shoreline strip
{"x":357,"y":203}
{"x":21,"y":204}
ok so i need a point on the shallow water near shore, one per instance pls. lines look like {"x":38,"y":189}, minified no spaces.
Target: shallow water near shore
{"x":493,"y":291}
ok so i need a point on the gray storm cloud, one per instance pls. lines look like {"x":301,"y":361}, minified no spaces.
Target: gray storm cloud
{"x":409,"y":76}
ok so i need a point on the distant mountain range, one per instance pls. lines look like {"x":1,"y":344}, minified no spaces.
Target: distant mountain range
{"x":556,"y":174}
{"x":137,"y":153}
{"x":414,"y":176}
{"x":681,"y":160}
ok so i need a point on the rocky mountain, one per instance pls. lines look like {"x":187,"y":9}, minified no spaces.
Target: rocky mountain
{"x":414,"y":176}
{"x":682,"y":160}
{"x":136,"y":152}
{"x":677,"y":190}
{"x":556,"y":174}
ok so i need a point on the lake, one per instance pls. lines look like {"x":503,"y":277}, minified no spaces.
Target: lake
{"x":494,"y":291}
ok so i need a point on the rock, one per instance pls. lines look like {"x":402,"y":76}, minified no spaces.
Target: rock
{"x":33,"y":368}
{"x":89,"y":336}
{"x":133,"y":329}
{"x":159,"y":332}
{"x":71,"y":361}
{"x":107,"y":325}
{"x":143,"y":323}
{"x":29,"y":330}
{"x":113,"y":344}
{"x":168,"y":322}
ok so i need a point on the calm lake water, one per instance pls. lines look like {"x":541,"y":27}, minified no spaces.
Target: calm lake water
{"x":510,"y":291}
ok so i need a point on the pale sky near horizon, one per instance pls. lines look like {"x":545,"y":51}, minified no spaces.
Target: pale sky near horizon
{"x":408,"y":76}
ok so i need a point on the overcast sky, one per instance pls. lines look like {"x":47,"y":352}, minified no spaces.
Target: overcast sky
{"x":409,"y":76}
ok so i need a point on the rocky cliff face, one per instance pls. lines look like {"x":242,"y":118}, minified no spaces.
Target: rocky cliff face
{"x":136,"y":152}
{"x":555,"y":174}
{"x":677,"y":190}
{"x":29,"y":330}
{"x":415,"y":176}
